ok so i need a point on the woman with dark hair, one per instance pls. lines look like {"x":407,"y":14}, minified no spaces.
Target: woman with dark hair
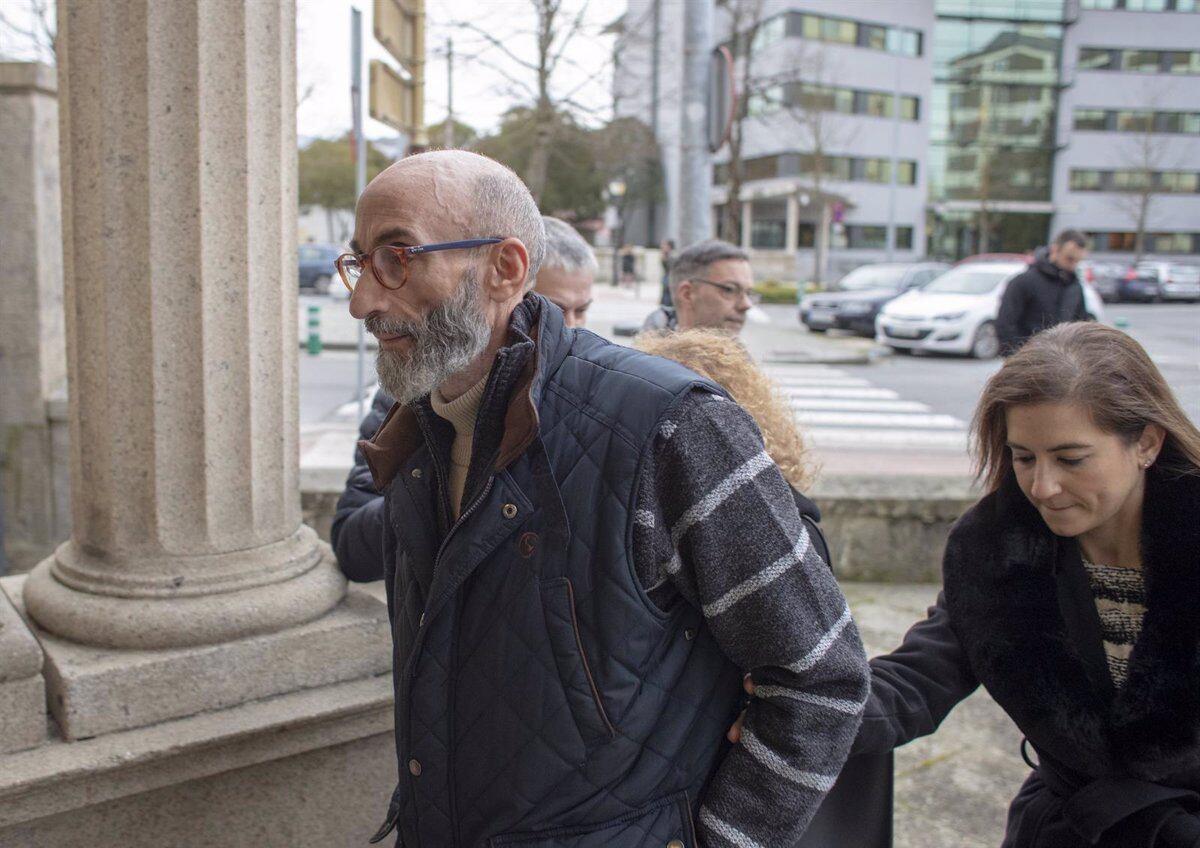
{"x":1071,"y":594}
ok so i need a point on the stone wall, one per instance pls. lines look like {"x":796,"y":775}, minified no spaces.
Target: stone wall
{"x":880,"y":529}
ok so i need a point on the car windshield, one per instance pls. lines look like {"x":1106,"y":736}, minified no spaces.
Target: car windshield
{"x":1185,"y":274}
{"x":872,"y":277}
{"x":308,"y":253}
{"x":970,"y":279}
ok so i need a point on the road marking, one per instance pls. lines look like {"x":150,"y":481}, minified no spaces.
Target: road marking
{"x":864,"y":437}
{"x":835,"y":410}
{"x":930,"y":421}
{"x":851,"y":405}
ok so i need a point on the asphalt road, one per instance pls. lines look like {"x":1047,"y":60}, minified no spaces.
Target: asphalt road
{"x":894,"y":415}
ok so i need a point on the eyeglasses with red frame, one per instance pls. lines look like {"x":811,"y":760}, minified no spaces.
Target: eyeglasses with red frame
{"x":389,"y":263}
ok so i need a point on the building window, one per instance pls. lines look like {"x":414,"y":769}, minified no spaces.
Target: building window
{"x":1184,"y":243}
{"x":1183,"y":182}
{"x":1139,"y":61}
{"x":1086,"y":180}
{"x":906,"y":42}
{"x":906,"y":173}
{"x":904,"y":238}
{"x":910,"y":108}
{"x":875,"y":103}
{"x":1141,"y":5}
{"x":806,"y":234}
{"x":1098,"y":59}
{"x":768,"y":227}
{"x":862,"y":237}
{"x":770,"y":32}
{"x":1129,"y":120}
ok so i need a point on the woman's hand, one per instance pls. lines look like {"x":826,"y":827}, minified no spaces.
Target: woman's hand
{"x":734,"y":734}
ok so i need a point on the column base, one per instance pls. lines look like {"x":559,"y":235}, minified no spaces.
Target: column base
{"x":92,"y":691}
{"x":130,"y":619}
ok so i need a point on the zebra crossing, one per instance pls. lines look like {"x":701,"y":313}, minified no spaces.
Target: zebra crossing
{"x":834,"y":410}
{"x":837,"y":410}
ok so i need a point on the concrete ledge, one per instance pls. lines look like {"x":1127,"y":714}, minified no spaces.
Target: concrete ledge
{"x":62,"y":777}
{"x":22,"y":690}
{"x":17,"y":77}
{"x":891,"y":529}
{"x":94,"y":691}
{"x":881,"y":529}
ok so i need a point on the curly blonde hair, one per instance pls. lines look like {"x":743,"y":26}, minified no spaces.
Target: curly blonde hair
{"x":723,"y":359}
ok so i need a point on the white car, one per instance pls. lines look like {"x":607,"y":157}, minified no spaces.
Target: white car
{"x":956,"y":313}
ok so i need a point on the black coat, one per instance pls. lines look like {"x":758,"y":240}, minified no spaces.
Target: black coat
{"x":1040,"y":297}
{"x":1115,"y":768}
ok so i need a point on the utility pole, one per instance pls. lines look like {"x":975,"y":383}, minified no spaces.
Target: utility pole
{"x":895,"y":163}
{"x":655,"y":61}
{"x":696,"y":170}
{"x":448,"y":127}
{"x":360,"y":171}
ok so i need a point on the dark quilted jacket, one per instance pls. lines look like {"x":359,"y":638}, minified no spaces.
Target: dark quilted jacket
{"x":541,"y":698}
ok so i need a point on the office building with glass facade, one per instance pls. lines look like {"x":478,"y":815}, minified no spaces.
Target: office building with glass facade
{"x":1002,"y":122}
{"x":1129,"y":127}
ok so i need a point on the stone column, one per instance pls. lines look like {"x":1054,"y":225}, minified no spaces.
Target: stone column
{"x":32,"y":351}
{"x":747,"y":223}
{"x":179,"y":203}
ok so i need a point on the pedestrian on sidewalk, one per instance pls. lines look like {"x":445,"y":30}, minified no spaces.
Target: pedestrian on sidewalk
{"x":558,"y":681}
{"x":1048,"y":292}
{"x":712,"y":286}
{"x":566,"y":279}
{"x":1070,"y":593}
{"x":628,"y":265}
{"x":666,"y":254}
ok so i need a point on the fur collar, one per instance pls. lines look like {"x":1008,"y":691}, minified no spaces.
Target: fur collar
{"x":1019,"y":601}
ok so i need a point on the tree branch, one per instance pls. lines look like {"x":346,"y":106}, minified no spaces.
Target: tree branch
{"x":496,"y":43}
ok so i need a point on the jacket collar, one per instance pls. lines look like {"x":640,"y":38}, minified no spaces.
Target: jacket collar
{"x":537,"y":344}
{"x":1021,"y":604}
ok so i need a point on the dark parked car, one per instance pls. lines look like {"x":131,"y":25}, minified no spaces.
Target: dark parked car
{"x":853,"y":302}
{"x":316,"y":266}
{"x":1105,"y":277}
{"x":1173,"y":281}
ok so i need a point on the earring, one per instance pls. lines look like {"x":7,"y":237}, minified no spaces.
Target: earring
{"x":1148,"y":463}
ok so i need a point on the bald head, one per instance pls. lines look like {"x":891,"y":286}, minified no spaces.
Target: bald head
{"x":450,"y":195}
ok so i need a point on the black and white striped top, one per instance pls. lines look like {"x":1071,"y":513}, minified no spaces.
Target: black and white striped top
{"x":1121,"y":601}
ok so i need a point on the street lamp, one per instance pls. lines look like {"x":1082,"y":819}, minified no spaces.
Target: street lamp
{"x":616,"y":191}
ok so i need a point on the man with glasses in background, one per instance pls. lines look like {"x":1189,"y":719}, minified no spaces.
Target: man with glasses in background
{"x":712,"y":285}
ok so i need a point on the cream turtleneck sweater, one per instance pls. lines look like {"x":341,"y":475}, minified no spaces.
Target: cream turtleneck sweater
{"x":461,"y":413}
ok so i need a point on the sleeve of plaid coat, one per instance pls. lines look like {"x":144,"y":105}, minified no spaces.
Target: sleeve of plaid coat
{"x":357,"y":532}
{"x":716,"y":524}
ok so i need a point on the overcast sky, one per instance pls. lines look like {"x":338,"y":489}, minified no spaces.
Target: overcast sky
{"x":481,"y":92}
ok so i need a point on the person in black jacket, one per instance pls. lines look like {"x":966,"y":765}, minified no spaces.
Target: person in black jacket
{"x":1070,"y":594}
{"x":1047,"y":293}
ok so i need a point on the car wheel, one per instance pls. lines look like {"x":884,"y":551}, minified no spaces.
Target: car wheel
{"x":816,"y":329}
{"x":321,"y":284}
{"x":905,"y":351}
{"x":986,"y":344}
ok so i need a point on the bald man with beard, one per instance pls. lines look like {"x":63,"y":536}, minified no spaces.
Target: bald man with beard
{"x":584,"y":548}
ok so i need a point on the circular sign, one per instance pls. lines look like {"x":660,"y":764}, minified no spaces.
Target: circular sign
{"x":722,"y":98}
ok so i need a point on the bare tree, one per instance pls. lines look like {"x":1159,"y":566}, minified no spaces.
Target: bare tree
{"x":533,"y":81}
{"x":1140,"y":158}
{"x":745,"y":20}
{"x":802,"y":93}
{"x":38,"y":36}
